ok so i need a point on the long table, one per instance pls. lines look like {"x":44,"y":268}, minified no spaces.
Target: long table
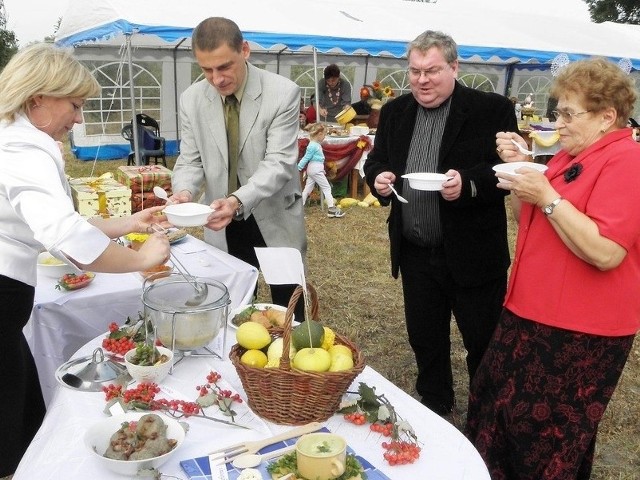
{"x":58,"y":451}
{"x":61,"y":322}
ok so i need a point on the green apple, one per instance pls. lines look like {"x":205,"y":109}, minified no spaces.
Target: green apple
{"x":341,"y":362}
{"x":312,"y":360}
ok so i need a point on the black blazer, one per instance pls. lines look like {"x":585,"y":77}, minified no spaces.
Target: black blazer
{"x":475,"y":225}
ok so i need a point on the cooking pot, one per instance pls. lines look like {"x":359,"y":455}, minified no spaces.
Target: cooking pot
{"x":179,"y":324}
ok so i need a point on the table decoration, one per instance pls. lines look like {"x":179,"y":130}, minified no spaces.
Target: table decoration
{"x":377,"y":409}
{"x":144,"y":397}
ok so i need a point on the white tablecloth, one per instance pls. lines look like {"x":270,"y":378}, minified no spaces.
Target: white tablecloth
{"x":58,"y":452}
{"x":62,"y":322}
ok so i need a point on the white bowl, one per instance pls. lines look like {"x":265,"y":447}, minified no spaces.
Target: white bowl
{"x":511,"y":167}
{"x":97,"y":438}
{"x":53,"y":270}
{"x":188,"y":214}
{"x":426,"y":181}
{"x":259,"y":306}
{"x":151,"y":373}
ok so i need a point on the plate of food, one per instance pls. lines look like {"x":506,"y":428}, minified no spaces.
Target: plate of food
{"x":268,"y":314}
{"x":72,"y":281}
{"x":176,"y":235}
{"x":159,"y":271}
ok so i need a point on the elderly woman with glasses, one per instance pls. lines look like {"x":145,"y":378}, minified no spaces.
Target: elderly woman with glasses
{"x":572,"y":307}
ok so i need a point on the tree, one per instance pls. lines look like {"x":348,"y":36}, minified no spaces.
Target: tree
{"x":620,"y":11}
{"x":8,"y":40}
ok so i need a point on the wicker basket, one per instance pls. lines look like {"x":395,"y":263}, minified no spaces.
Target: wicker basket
{"x":289,"y":396}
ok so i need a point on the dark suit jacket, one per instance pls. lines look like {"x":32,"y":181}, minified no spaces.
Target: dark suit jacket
{"x":474,"y":226}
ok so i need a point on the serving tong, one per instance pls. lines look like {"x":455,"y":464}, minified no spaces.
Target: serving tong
{"x":228,"y":454}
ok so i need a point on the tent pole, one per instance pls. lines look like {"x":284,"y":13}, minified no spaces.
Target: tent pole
{"x":134,"y":122}
{"x":315,"y":77}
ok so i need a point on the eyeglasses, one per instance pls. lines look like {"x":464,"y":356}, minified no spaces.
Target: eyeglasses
{"x":567,"y":117}
{"x":429,"y":74}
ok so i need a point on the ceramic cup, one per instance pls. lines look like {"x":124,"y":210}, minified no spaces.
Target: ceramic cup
{"x":321,"y":455}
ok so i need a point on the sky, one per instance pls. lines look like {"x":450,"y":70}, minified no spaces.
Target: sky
{"x":32,"y":20}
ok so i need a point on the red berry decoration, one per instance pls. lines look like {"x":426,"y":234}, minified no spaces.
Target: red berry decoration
{"x":403,"y":447}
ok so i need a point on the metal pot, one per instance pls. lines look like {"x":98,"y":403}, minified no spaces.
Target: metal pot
{"x":181,"y":326}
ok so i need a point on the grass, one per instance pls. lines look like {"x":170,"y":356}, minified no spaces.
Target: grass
{"x":348,"y":262}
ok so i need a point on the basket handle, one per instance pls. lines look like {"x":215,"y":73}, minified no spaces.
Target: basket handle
{"x":285,"y":361}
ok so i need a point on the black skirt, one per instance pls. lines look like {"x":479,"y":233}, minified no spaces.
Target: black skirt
{"x":538,"y":396}
{"x":21,"y":404}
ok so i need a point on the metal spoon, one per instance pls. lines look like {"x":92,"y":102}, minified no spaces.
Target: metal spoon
{"x":400,"y":197}
{"x":521,"y":148}
{"x":161,"y":193}
{"x":250,"y":460}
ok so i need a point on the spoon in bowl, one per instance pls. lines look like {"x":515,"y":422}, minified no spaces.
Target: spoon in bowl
{"x":521,"y":148}
{"x":400,"y":197}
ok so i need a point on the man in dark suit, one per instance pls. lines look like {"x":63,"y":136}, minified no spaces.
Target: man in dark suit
{"x":450,"y":246}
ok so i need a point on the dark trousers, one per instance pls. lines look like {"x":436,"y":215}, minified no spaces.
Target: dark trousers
{"x":21,"y":404}
{"x":242,"y":237}
{"x":430,"y":297}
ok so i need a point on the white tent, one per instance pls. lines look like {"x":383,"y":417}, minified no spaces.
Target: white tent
{"x":371,"y":29}
{"x":351,"y":27}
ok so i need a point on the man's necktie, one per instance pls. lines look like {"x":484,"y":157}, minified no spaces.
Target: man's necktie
{"x":233,"y":129}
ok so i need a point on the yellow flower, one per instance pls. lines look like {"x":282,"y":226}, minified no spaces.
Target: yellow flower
{"x":381,"y":92}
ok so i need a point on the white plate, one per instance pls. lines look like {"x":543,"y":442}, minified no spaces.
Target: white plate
{"x":49,"y":267}
{"x":259,"y":306}
{"x":511,"y":167}
{"x":426,"y":181}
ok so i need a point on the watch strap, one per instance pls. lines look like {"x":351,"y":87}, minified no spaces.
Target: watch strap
{"x":548,"y":209}
{"x":239,"y":213}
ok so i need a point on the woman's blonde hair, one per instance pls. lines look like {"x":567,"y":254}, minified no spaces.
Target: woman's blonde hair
{"x":42,"y":69}
{"x":601,"y":84}
{"x":316,"y":129}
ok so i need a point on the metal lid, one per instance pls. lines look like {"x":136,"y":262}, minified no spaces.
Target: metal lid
{"x":90,"y":373}
{"x":172,"y":294}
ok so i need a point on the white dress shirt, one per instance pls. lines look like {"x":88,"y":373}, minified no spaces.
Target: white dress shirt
{"x":36,"y":209}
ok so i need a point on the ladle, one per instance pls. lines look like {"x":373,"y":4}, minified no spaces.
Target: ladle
{"x":250,"y":460}
{"x":160,"y":192}
{"x":400,"y":197}
{"x":202,"y":290}
{"x":521,"y":148}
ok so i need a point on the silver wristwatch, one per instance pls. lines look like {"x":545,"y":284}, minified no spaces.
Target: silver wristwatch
{"x":548,"y":209}
{"x":239,"y":213}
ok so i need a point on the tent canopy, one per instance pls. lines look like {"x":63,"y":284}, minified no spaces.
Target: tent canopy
{"x":369,"y":27}
{"x":490,"y":38}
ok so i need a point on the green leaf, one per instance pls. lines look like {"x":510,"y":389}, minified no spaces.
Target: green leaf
{"x":368,"y":395}
{"x":207,"y":400}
